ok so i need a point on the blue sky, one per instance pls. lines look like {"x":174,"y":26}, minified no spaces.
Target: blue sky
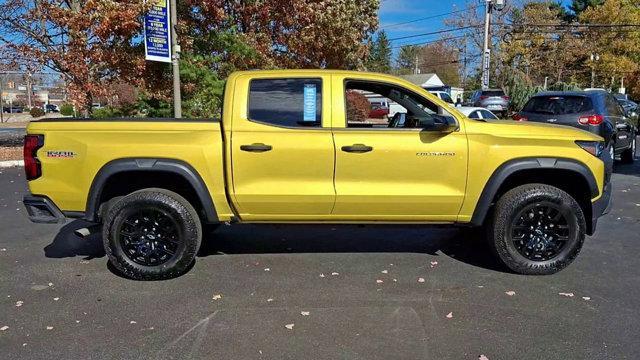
{"x":396,"y":11}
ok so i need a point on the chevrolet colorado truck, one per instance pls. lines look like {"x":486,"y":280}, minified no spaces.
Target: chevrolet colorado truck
{"x":296,"y":146}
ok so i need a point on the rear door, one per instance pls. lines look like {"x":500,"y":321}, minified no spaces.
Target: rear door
{"x":282,"y":152}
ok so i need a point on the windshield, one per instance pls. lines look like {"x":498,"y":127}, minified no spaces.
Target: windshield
{"x":558,"y":105}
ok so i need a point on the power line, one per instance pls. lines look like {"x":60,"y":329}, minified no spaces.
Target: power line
{"x":436,"y":32}
{"x":428,"y":42}
{"x":428,"y":17}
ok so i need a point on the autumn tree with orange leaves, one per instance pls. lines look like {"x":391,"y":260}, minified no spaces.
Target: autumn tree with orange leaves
{"x":95,"y":44}
{"x":88,"y":42}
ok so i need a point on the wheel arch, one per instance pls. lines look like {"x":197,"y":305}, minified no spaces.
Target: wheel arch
{"x":171,"y":174}
{"x":569,"y":175}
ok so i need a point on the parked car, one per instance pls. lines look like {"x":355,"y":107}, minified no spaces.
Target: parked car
{"x":52,"y":108}
{"x":477,"y":113}
{"x":13,"y":109}
{"x":378,"y":111}
{"x":493,"y":99}
{"x":630,"y":107}
{"x":442,"y":95}
{"x":596,"y":111}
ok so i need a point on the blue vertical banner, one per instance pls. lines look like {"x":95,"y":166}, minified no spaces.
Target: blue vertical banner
{"x":157,"y":32}
{"x":309,"y":103}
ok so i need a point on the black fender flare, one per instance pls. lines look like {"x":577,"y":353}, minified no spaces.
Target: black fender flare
{"x":178,"y":167}
{"x":512,"y":166}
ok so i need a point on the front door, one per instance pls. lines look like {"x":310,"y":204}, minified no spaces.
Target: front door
{"x":282,"y":155}
{"x":393,"y":169}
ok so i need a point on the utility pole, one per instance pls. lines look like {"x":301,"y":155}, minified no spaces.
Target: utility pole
{"x":29,"y":104}
{"x":175,"y":61}
{"x":486,"y":53}
{"x":416,"y":70}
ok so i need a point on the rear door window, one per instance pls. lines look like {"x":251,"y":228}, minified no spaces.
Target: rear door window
{"x":558,"y":105}
{"x":286,"y":102}
{"x":487,"y":115}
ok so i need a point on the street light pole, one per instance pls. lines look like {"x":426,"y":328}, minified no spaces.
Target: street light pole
{"x":175,"y":61}
{"x":486,"y":54}
{"x":594,"y":57}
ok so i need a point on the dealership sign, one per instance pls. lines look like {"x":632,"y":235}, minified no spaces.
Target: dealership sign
{"x":157,"y":25}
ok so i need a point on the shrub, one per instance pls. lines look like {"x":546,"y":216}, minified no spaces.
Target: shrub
{"x":106,"y":112}
{"x":66,"y":110}
{"x":358,"y":107}
{"x":36,"y":112}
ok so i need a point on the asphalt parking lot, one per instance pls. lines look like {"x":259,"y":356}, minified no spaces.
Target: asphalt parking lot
{"x":311,"y":292}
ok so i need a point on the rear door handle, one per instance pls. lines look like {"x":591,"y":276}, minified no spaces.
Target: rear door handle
{"x":357,"y":148}
{"x":256,"y":147}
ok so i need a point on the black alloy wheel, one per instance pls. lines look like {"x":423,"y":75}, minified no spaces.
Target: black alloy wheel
{"x":540,"y":231}
{"x":148,"y":236}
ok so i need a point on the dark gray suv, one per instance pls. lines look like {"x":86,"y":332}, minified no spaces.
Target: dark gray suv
{"x":596,"y":111}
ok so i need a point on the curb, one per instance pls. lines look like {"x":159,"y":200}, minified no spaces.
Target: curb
{"x":11,"y":163}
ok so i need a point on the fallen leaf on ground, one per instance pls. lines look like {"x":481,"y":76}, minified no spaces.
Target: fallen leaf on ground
{"x":335,"y":274}
{"x":449,"y":315}
{"x":482,"y":357}
{"x":420,"y":280}
{"x":50,"y":284}
{"x":379,"y":281}
{"x":269,"y":300}
{"x":289,"y":326}
{"x":384,"y":271}
{"x":321,"y":275}
{"x":4,"y":249}
{"x":56,"y":298}
{"x":132,"y":322}
{"x":267,"y":269}
{"x":217,"y":297}
{"x":510,"y":292}
{"x":49,"y":327}
{"x":304,"y":313}
{"x":586,"y":298}
{"x":566,"y":294}
{"x":19,"y":303}
{"x":434,"y":263}
{"x":4,"y":328}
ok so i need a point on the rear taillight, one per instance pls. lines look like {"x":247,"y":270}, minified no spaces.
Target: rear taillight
{"x":591,"y":120}
{"x":505,"y":97}
{"x":518,"y":117}
{"x":483,"y":97}
{"x":32,"y":167}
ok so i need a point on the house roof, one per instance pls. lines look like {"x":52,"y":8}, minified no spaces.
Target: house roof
{"x":424,"y":80}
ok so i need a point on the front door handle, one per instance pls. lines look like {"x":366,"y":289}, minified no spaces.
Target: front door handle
{"x":256,"y":147}
{"x":357,"y":148}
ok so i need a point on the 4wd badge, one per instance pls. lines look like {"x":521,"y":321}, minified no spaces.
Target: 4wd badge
{"x":60,"y":154}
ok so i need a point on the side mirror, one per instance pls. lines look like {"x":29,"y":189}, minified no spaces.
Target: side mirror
{"x":443,"y":124}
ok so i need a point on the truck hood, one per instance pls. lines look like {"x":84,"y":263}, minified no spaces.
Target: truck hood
{"x":529,"y":129}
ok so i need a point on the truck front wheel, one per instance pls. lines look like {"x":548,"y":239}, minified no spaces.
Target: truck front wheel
{"x":152,"y":234}
{"x":537,"y":229}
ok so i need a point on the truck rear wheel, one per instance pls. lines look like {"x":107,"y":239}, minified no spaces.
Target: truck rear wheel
{"x":537,"y":229}
{"x":152,"y":234}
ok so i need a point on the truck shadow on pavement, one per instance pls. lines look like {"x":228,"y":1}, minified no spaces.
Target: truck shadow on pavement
{"x":465,"y":245}
{"x":68,"y":244}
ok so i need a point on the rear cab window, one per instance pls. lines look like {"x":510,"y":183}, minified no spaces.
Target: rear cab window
{"x":558,"y":105}
{"x":295,"y":102}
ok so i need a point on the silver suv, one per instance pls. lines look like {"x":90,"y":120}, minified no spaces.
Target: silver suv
{"x":493,"y":99}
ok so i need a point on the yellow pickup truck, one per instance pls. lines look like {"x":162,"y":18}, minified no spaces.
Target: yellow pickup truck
{"x":300,"y":146}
